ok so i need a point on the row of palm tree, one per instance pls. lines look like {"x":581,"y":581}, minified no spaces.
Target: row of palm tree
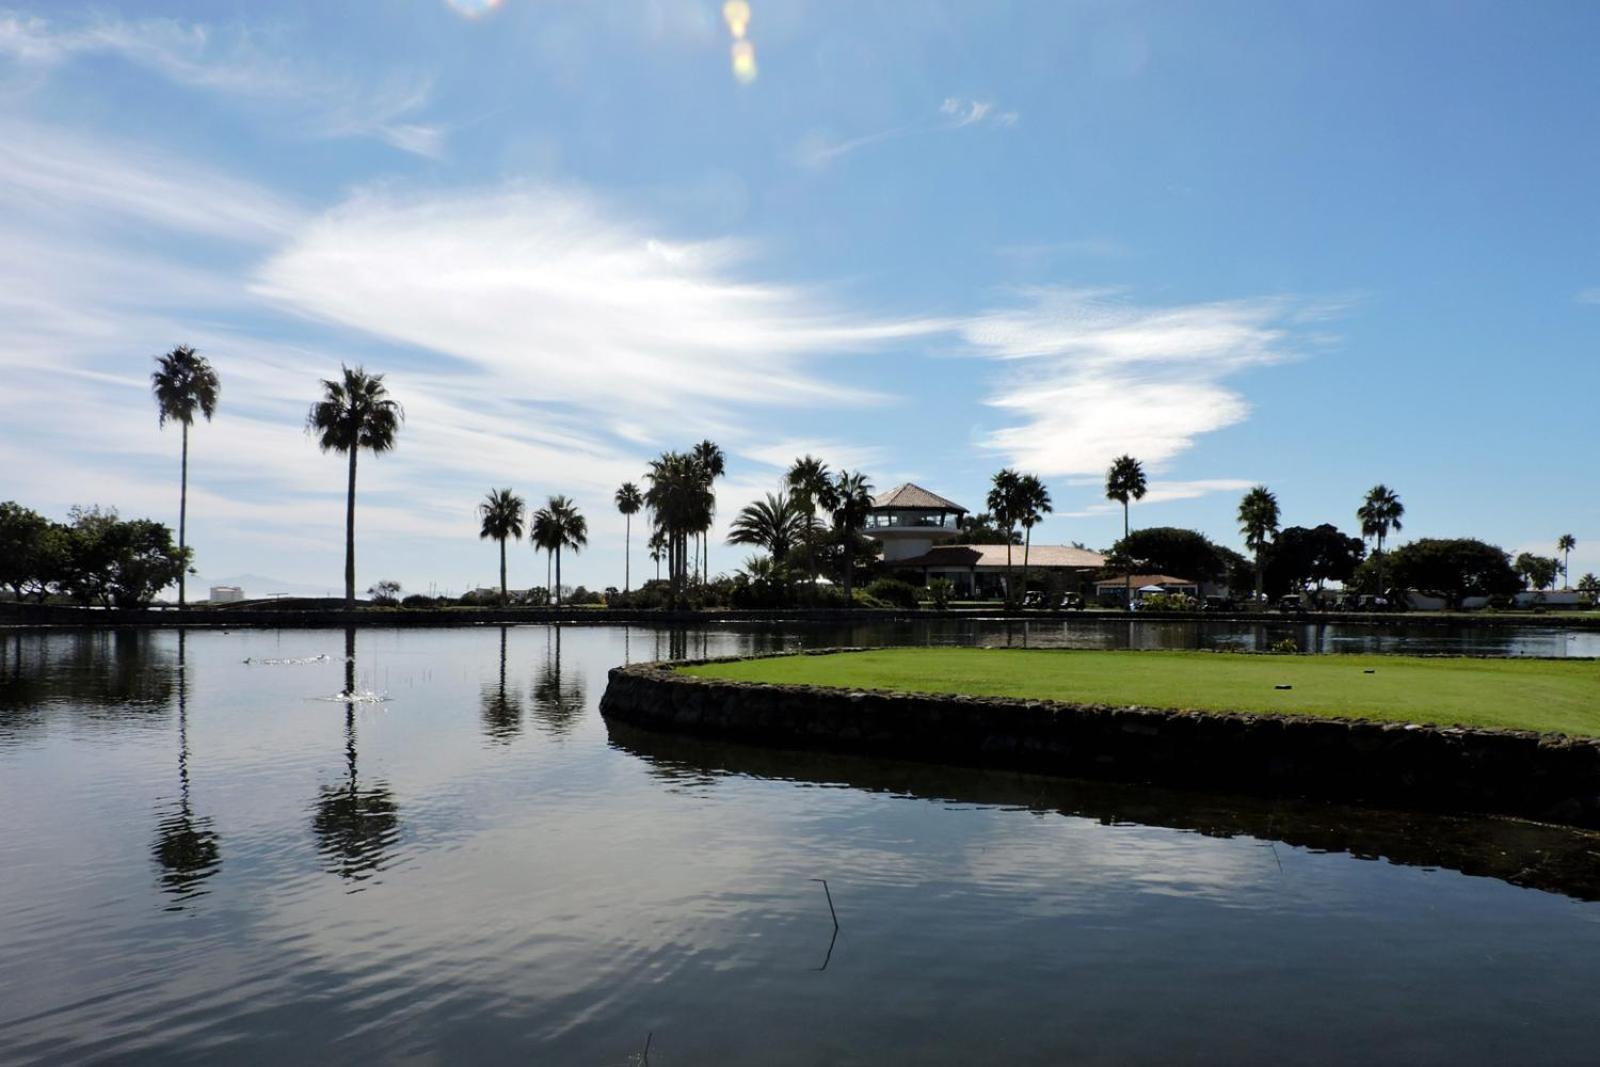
{"x":356,"y":412}
{"x":556,"y":526}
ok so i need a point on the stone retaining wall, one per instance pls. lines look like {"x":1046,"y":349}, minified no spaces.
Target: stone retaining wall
{"x":1529,"y":775}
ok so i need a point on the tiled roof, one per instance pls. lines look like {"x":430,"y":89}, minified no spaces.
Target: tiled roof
{"x":914,"y":497}
{"x":1145,"y":579}
{"x":968,"y":556}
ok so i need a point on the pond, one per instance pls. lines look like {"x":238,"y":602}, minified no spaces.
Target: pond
{"x":210,"y":850}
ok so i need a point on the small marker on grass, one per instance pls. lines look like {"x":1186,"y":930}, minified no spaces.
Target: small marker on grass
{"x":1283,"y":687}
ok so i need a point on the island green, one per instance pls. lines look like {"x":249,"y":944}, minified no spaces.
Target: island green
{"x":1549,"y":696}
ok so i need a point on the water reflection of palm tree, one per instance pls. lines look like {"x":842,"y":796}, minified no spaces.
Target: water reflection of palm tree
{"x":558,"y":702}
{"x":186,"y":846}
{"x":502,"y":708}
{"x":354,"y":826}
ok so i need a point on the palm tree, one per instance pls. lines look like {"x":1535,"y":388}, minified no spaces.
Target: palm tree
{"x":629,"y":500}
{"x":542,"y":534}
{"x":1125,"y":482}
{"x":776,"y":524}
{"x":712,"y":466}
{"x":184,"y":384}
{"x":569,"y":529}
{"x":501,"y":512}
{"x":1004,"y":502}
{"x":1380,"y":512}
{"x":680,"y":498}
{"x":658,"y":549}
{"x":811,"y":488}
{"x":1565,"y":546}
{"x":851,"y":499}
{"x":1258,"y":521}
{"x":355,"y":412}
{"x":1034,"y":504}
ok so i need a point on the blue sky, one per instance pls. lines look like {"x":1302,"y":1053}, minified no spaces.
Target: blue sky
{"x":1315,"y":246}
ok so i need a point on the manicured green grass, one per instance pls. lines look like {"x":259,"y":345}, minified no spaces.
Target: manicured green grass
{"x":1544,"y":695}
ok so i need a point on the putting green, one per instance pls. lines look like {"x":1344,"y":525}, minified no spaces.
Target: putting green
{"x":1550,"y":696}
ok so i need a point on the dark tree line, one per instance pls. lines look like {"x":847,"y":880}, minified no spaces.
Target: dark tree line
{"x":94,"y":557}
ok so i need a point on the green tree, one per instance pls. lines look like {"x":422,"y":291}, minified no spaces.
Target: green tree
{"x":1125,"y":482}
{"x":1590,"y":584}
{"x":567,"y":528}
{"x":680,"y":499}
{"x":1005,"y":503}
{"x":628,"y":500}
{"x":982,"y":529}
{"x":776,"y":524}
{"x":1379,"y":513}
{"x":1537,"y":571}
{"x":852,"y":500}
{"x":119,"y":564}
{"x":24,"y":535}
{"x":1452,"y":569}
{"x":542,"y":535}
{"x":1170,"y":550}
{"x":1258,"y":521}
{"x":709,"y":458}
{"x":1033,"y":501}
{"x":1565,"y":545}
{"x":355,"y":412}
{"x":502,"y":514}
{"x":1302,"y":556}
{"x":184,"y":385}
{"x":811,"y":487}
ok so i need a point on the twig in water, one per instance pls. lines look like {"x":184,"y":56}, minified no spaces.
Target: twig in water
{"x":834,"y":940}
{"x":644,"y":1057}
{"x":835,"y":914}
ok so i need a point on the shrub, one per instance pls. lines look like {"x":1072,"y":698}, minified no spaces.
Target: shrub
{"x":893,"y":592}
{"x":940,"y":590}
{"x":419,"y":600}
{"x":1287,"y":647}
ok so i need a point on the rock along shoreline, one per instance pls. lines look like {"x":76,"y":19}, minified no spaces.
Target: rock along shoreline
{"x":1548,"y":778}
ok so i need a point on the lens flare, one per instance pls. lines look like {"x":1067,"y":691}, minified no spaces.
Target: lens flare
{"x":737,"y":15}
{"x":473,"y":8}
{"x":744,"y":61}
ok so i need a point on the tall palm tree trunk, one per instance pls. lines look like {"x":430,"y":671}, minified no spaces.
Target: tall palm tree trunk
{"x":627,"y":551}
{"x":350,"y":535}
{"x":183,"y":517}
{"x":1260,"y":578}
{"x":1127,"y":578}
{"x":502,"y":570}
{"x":1027,"y":544}
{"x":558,"y":576}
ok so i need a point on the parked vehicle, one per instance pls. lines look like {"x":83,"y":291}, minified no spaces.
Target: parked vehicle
{"x":1219,"y":603}
{"x":1033,"y":599}
{"x":1072,"y":602}
{"x":1291,"y":602}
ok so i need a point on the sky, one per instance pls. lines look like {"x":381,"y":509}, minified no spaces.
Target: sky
{"x":1311,"y":246}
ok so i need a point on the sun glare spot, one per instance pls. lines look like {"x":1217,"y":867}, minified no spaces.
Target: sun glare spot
{"x":737,"y":15}
{"x":473,"y":8}
{"x":744,"y":61}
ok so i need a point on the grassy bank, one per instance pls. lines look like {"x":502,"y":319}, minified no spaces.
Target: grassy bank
{"x":1543,"y":695}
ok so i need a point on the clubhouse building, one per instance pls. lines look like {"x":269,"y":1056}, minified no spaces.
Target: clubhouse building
{"x":921,"y":537}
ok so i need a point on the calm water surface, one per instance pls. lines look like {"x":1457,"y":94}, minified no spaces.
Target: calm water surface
{"x":205,"y":853}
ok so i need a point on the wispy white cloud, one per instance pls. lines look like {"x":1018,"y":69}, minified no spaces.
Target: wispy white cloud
{"x":55,"y":179}
{"x":555,"y":297}
{"x":232,"y":62}
{"x":1588,"y":296}
{"x":818,"y":150}
{"x":1161,"y":492}
{"x":1092,"y":376}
